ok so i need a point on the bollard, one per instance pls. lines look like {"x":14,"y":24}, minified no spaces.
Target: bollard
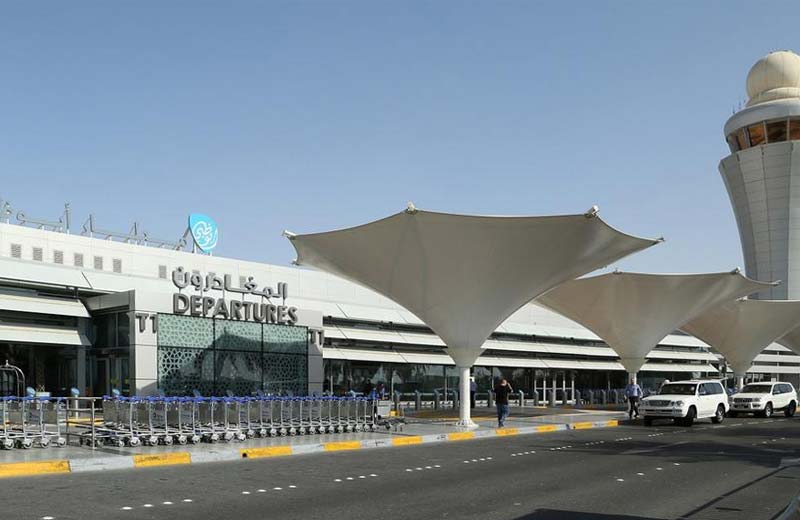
{"x":490,"y":400}
{"x":396,"y":399}
{"x":456,"y":397}
{"x":417,"y":400}
{"x":577,"y":399}
{"x":590,"y":396}
{"x":552,"y":398}
{"x":521,"y":398}
{"x":603,"y":397}
{"x":535,"y":398}
{"x":437,"y":400}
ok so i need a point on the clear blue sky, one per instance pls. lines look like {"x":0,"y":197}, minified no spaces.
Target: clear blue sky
{"x":319,"y":115}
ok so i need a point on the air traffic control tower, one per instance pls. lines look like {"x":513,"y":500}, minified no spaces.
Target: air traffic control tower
{"x":762,"y":173}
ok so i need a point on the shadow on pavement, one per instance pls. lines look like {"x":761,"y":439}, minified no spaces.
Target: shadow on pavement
{"x":553,"y":514}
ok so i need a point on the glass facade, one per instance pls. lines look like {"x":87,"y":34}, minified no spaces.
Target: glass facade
{"x":766,"y":132}
{"x":215,"y":357}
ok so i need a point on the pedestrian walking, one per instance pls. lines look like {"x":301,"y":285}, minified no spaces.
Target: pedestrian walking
{"x":473,"y":389}
{"x":633,"y":392}
{"x":501,"y":393}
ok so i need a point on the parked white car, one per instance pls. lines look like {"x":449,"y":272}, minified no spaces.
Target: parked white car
{"x":764,"y":399}
{"x":685,"y":401}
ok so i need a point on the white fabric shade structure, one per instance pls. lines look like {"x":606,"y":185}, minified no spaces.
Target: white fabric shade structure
{"x":633,"y":312}
{"x":463,"y":275}
{"x":740,"y":330}
{"x":792,"y":340}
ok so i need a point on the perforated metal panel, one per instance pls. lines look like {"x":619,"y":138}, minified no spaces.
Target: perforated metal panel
{"x":77,"y":259}
{"x":117,"y":265}
{"x":162,"y":271}
{"x":98,"y":263}
{"x":38,"y":254}
{"x":16,"y":251}
{"x":58,"y":257}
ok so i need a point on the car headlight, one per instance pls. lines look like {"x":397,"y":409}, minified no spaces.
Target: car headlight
{"x":677,"y":403}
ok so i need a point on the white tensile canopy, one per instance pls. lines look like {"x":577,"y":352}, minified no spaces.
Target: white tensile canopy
{"x":792,"y":340}
{"x":740,"y":330}
{"x":463,"y":275}
{"x":632,"y":312}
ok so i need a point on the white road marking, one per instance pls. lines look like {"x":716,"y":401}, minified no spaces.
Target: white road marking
{"x":339,"y":480}
{"x":620,"y":480}
{"x":659,"y":469}
{"x":640,"y":474}
{"x":167,"y":503}
{"x":245,"y":492}
{"x":48,"y":518}
{"x":187,"y":500}
{"x":362,"y":476}
{"x":148,"y":505}
{"x":295,"y":487}
{"x":277,"y":489}
{"x":126,"y":508}
{"x":488,"y":458}
{"x":264,"y":490}
{"x":676,"y":463}
{"x":349,"y":478}
{"x":436,"y":466}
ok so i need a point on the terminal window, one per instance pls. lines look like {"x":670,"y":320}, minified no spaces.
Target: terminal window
{"x":777,"y":130}
{"x":757,"y":134}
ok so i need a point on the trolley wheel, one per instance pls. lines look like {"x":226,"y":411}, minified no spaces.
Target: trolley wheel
{"x":134,"y":441}
{"x":273,"y":432}
{"x":214,"y":437}
{"x":120,"y":443}
{"x":358,"y":428}
{"x":61,"y":442}
{"x":348,"y":428}
{"x":26,"y":443}
{"x":332,"y":429}
{"x":301,"y":430}
{"x":251,"y":434}
{"x":44,"y":442}
{"x":7,"y":444}
{"x":195,"y":439}
{"x":182,"y":440}
{"x":241,"y":437}
{"x":262,"y":432}
{"x":228,"y":437}
{"x":152,"y":440}
{"x":292,"y":431}
{"x":167,"y":440}
{"x":284,"y":432}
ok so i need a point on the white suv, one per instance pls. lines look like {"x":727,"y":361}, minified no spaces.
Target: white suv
{"x":685,"y":401}
{"x":764,"y":399}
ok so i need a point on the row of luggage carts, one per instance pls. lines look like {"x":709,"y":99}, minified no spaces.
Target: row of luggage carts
{"x":26,"y":422}
{"x":133,"y":421}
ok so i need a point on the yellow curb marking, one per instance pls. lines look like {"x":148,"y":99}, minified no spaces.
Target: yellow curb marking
{"x":405,"y":441}
{"x":582,"y":425}
{"x":460,"y":436}
{"x":162,"y":459}
{"x":269,"y":451}
{"x":506,"y":431}
{"x":342,"y":445}
{"x":547,"y":428}
{"x":612,"y":423}
{"x":25,"y":469}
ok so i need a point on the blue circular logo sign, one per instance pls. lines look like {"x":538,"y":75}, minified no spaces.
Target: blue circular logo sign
{"x":204,"y":231}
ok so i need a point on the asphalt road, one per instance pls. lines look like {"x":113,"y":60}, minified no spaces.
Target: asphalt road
{"x":743,"y":469}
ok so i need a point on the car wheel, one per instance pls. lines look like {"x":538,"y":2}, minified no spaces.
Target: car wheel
{"x":767,"y":411}
{"x":648,"y":421}
{"x":789,"y":412}
{"x":733,"y":414}
{"x":690,"y":416}
{"x":719,"y":416}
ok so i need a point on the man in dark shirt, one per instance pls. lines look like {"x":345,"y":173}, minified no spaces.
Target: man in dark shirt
{"x":501,"y":393}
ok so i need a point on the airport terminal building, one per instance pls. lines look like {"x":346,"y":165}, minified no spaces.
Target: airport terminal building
{"x":96,"y":313}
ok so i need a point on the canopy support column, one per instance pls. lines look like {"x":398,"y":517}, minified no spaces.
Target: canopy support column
{"x":465,"y":419}
{"x":739,"y":382}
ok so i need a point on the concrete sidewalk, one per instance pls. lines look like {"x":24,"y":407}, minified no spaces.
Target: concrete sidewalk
{"x":73,"y":459}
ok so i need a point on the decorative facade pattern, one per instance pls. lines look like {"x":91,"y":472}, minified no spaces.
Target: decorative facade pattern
{"x":216,"y":357}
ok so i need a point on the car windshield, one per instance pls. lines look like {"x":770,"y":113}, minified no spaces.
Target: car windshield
{"x":757,"y":389}
{"x":679,"y":389}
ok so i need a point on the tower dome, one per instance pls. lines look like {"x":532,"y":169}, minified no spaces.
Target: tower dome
{"x":775,"y":76}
